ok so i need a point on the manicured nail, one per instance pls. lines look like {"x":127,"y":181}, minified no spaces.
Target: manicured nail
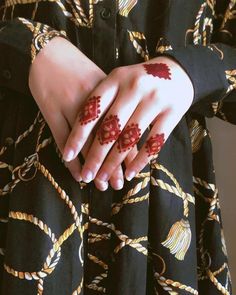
{"x":130,"y":175}
{"x":119,"y":184}
{"x":68,"y":156}
{"x":103,"y":185}
{"x":87,"y":176}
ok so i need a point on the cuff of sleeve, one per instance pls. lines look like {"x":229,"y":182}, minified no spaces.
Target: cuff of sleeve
{"x":17,"y":55}
{"x":41,"y":39}
{"x":205,"y":69}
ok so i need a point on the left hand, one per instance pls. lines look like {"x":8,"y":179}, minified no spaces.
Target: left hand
{"x":156,"y":92}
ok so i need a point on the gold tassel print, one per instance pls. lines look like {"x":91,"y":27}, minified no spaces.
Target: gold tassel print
{"x":179,"y":239}
{"x":125,"y":6}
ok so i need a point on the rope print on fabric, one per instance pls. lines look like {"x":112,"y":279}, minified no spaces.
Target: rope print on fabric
{"x":178,"y":239}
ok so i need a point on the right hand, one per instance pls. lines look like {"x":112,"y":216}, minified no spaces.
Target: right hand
{"x":60,"y":79}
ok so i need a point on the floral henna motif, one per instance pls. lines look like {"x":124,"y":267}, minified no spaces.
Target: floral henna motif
{"x":154,"y":144}
{"x":109,"y":130}
{"x":128,"y":138}
{"x":91,"y":110}
{"x":159,"y":70}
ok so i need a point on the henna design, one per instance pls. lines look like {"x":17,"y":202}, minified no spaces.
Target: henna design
{"x":159,"y":70}
{"x":128,"y":138}
{"x":109,"y":130}
{"x":91,"y":110}
{"x":154,"y":144}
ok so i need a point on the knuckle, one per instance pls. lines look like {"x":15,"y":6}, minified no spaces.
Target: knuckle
{"x":110,"y":165}
{"x":140,"y":165}
{"x":119,"y":71}
{"x":153,"y":96}
{"x":136,"y":82}
{"x":75,"y":141}
{"x":85,"y":87}
{"x":95,"y":161}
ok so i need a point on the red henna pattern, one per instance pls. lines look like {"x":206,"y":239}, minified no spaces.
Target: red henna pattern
{"x":128,"y":138}
{"x":159,"y":70}
{"x":154,"y":144}
{"x":109,"y":130}
{"x":91,"y":110}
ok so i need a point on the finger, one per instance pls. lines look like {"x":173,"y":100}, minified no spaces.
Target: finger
{"x":158,"y":135}
{"x":131,"y":134}
{"x":96,"y":105}
{"x":116,"y":180}
{"x":60,"y":131}
{"x":109,"y":131}
{"x":131,"y":155}
{"x":87,"y":145}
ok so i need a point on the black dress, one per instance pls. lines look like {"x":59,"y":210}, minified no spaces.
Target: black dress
{"x":162,"y":233}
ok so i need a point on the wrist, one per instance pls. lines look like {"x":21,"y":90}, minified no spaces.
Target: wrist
{"x":180,"y":78}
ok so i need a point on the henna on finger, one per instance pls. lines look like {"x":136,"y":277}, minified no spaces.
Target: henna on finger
{"x":90,"y":111}
{"x":109,"y":130}
{"x":159,"y":70}
{"x":129,"y":137}
{"x":154,"y":144}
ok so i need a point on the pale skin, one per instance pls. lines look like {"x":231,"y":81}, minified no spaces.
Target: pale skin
{"x":138,"y":100}
{"x":60,"y":79}
{"x":127,"y":101}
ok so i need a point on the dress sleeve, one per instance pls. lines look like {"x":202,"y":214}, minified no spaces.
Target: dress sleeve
{"x":20,"y":41}
{"x":212,"y":67}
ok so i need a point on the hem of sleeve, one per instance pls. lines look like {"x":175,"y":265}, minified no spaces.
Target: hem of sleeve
{"x":17,"y":56}
{"x":205,"y":69}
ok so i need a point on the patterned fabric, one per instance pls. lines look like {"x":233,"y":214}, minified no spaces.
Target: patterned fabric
{"x":162,"y":233}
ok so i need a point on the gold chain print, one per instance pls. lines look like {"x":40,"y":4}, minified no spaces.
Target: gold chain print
{"x":212,"y":201}
{"x":73,"y":10}
{"x":26,"y":172}
{"x":125,"y":226}
{"x":140,"y":49}
{"x":125,"y":6}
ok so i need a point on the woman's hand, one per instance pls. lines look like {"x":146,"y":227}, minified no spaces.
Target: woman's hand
{"x":61,"y":77}
{"x":157,"y":92}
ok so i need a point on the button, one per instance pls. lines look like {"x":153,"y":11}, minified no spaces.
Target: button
{"x":105,"y":13}
{"x":6,"y":74}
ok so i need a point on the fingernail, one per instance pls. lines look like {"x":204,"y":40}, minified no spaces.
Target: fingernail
{"x":68,"y":156}
{"x":87,"y":176}
{"x":78,"y":177}
{"x":102,"y":185}
{"x":130,"y":175}
{"x":119,"y":184}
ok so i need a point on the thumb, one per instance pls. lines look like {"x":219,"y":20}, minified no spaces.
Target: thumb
{"x":60,"y":131}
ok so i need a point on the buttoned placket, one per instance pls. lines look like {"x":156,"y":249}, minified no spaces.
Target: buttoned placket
{"x":104,"y":34}
{"x":104,"y":55}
